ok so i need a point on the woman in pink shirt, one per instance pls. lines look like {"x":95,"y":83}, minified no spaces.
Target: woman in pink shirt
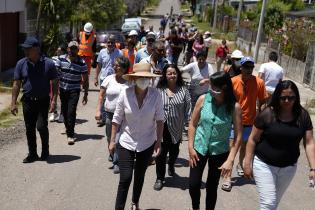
{"x":198,"y":45}
{"x":139,"y":114}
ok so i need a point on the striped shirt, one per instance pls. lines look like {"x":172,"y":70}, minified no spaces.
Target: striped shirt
{"x":176,"y":111}
{"x":70,"y":72}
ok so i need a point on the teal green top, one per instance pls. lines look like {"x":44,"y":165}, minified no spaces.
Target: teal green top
{"x":213,"y":129}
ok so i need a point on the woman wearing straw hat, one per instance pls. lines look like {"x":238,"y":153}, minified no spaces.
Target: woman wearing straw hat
{"x":139,"y":114}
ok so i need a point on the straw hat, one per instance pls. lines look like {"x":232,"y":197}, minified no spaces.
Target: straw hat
{"x":140,"y":70}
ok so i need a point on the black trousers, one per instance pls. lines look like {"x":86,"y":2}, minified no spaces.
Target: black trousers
{"x":69,"y":102}
{"x":131,"y":162}
{"x":35,"y":112}
{"x":195,"y":177}
{"x":167,"y":146}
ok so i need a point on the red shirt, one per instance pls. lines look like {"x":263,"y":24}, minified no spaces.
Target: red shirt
{"x":222,"y":51}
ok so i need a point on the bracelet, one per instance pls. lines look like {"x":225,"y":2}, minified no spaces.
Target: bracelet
{"x":312,"y":169}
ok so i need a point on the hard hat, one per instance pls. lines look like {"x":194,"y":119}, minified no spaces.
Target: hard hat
{"x":133,"y":33}
{"x":237,"y":54}
{"x":88,"y":27}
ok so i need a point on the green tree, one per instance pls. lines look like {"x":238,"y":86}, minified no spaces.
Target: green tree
{"x":295,"y":4}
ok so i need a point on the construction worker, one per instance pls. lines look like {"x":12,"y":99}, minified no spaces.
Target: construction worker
{"x":87,"y":47}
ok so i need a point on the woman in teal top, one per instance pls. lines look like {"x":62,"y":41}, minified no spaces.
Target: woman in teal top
{"x":208,"y":138}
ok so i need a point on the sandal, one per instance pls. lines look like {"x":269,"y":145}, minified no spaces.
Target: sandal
{"x":226,"y":186}
{"x":134,"y":206}
{"x":239,"y":170}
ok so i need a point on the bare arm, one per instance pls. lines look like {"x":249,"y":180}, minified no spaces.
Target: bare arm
{"x":112,"y":144}
{"x":250,"y":147}
{"x":309,"y":145}
{"x":238,"y":128}
{"x":97,"y":72}
{"x":193,"y":157}
{"x":85,"y":86}
{"x":54,"y":95}
{"x":261,"y":75}
{"x":101,"y":97}
{"x":15,"y":93}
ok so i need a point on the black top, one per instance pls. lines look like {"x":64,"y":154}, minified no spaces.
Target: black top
{"x":35,"y":77}
{"x":279,"y":143}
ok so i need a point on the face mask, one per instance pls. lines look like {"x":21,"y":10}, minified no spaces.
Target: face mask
{"x":143,"y":83}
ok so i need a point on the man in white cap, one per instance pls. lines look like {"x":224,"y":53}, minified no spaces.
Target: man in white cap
{"x":207,"y":40}
{"x":71,"y":68}
{"x":233,"y":66}
{"x":133,"y":36}
{"x":87,"y":47}
{"x":148,"y":49}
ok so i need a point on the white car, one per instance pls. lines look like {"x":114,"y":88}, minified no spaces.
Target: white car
{"x":128,"y":26}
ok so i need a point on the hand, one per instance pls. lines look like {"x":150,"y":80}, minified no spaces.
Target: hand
{"x":14,"y":109}
{"x":96,"y":82}
{"x":226,"y":169}
{"x":85,"y":99}
{"x":157,"y":149}
{"x":203,"y":82}
{"x":248,"y":170}
{"x":193,"y":157}
{"x":98,"y":115}
{"x":52,"y":107}
{"x":112,"y":147}
{"x":312,"y":175}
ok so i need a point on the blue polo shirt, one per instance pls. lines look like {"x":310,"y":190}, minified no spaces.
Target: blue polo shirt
{"x":106,"y":61}
{"x":35,"y":77}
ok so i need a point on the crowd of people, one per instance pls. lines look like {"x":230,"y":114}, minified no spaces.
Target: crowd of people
{"x":145,"y":103}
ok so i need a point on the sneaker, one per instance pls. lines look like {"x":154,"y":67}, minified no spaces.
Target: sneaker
{"x":116,"y":169}
{"x":30,"y":158}
{"x":60,"y":119}
{"x":53,"y":117}
{"x":171,"y":170}
{"x":158,"y":185}
{"x":70,"y":140}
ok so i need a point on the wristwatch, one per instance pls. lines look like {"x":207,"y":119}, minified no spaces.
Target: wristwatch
{"x":312,"y":169}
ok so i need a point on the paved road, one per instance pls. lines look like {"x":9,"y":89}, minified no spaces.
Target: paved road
{"x":77,"y":177}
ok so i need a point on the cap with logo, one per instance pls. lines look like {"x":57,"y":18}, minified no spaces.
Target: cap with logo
{"x":30,"y":42}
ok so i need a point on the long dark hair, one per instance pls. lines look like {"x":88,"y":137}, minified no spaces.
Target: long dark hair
{"x":222,"y":80}
{"x":163,"y":81}
{"x":275,"y":100}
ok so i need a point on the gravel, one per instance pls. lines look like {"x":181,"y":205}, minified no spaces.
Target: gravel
{"x":12,"y":134}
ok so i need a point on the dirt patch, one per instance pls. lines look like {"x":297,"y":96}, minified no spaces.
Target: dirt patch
{"x":12,"y":134}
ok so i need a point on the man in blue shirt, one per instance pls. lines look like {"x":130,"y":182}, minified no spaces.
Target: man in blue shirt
{"x":72,"y":68}
{"x":148,"y":49}
{"x":34,"y":73}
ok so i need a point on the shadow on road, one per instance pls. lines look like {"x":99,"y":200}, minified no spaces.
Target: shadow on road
{"x":62,"y":158}
{"x":83,"y":137}
{"x":152,"y":209}
{"x":179,"y":182}
{"x":80,"y":121}
{"x":240,"y":181}
{"x":181,"y":162}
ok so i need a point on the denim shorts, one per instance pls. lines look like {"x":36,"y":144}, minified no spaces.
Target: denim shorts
{"x":246,"y":132}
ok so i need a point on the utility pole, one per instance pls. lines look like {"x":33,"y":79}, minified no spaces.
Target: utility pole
{"x":260,"y":30}
{"x":238,"y":20}
{"x":215,"y":14}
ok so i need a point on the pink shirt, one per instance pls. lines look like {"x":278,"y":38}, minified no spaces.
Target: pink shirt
{"x":138,"y":126}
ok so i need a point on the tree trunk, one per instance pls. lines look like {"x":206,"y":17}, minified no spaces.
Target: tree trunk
{"x":38,"y":18}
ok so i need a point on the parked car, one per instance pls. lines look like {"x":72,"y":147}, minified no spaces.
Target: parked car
{"x":137,"y":20}
{"x":128,"y":26}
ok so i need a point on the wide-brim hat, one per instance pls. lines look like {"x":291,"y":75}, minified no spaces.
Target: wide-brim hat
{"x":141,"y":70}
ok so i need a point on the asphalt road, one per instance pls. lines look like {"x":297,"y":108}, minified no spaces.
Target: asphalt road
{"x":77,"y":177}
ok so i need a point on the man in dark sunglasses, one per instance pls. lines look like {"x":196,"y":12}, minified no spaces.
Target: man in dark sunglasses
{"x":148,"y":49}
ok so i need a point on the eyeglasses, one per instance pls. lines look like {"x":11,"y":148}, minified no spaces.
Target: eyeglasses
{"x":289,"y":98}
{"x":215,"y":92}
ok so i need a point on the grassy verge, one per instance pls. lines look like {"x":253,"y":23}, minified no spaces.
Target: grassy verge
{"x":7,"y":119}
{"x":310,"y":106}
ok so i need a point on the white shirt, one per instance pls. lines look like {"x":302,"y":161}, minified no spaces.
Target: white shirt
{"x":138,"y":125}
{"x":113,"y":89}
{"x":197,"y":75}
{"x":272,"y":74}
{"x":207,"y":41}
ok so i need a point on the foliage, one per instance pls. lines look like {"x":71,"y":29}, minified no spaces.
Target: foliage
{"x":295,"y":4}
{"x":226,"y":10}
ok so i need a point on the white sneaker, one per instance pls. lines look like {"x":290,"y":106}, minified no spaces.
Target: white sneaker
{"x":61,"y":118}
{"x":70,"y":140}
{"x":53,"y":117}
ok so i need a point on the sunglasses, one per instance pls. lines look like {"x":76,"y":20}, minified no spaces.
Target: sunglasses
{"x":215,"y":92}
{"x":289,"y":98}
{"x":150,"y":40}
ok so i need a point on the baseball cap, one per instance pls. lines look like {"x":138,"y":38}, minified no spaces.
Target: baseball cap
{"x":247,"y":61}
{"x":133,"y":33}
{"x":73,"y":44}
{"x":30,"y":42}
{"x":150,"y":35}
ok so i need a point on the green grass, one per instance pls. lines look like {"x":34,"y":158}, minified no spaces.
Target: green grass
{"x":7,"y":119}
{"x":310,"y":106}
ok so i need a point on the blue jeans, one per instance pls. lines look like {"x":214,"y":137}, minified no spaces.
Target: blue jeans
{"x":271,"y":182}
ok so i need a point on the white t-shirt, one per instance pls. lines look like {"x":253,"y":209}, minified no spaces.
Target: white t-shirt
{"x":207,"y":41}
{"x":197,"y":75}
{"x":113,"y":89}
{"x":272,"y":74}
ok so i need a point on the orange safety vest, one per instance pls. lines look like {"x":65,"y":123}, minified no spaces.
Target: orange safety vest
{"x":85,"y":47}
{"x":131,"y":58}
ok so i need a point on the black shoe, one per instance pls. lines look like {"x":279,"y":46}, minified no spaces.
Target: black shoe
{"x":158,"y":185}
{"x":30,"y":158}
{"x":44,"y":156}
{"x":171,"y":170}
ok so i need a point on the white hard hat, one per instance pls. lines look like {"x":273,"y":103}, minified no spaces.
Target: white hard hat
{"x":133,"y":33}
{"x":237,"y":54}
{"x":88,"y":27}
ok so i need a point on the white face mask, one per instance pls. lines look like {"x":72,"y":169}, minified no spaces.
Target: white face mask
{"x":143,"y":83}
